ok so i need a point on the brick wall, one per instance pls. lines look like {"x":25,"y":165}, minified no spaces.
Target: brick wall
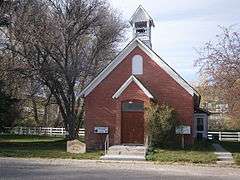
{"x":102,"y":110}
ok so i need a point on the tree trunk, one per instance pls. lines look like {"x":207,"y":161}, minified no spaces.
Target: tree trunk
{"x":58,"y":120}
{"x":45,"y":116}
{"x":72,"y":127}
{"x":35,"y":110}
{"x":80,"y":114}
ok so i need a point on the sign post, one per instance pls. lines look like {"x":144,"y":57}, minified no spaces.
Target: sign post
{"x":183,"y":130}
{"x":103,"y":133}
{"x":182,"y":144}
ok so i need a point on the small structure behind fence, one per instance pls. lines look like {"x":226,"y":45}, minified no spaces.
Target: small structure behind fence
{"x":224,"y":136}
{"x":47,"y":131}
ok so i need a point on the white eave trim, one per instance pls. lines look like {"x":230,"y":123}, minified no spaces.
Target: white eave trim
{"x":121,"y":56}
{"x":127,"y":83}
{"x":167,"y":68}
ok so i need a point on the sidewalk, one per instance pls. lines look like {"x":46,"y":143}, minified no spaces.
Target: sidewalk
{"x":224,"y":157}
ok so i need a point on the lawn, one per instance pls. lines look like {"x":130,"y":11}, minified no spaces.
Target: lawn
{"x":234,"y":148}
{"x":198,"y":153}
{"x":39,"y":146}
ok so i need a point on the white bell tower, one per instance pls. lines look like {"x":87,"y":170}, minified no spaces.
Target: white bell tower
{"x":142,"y":24}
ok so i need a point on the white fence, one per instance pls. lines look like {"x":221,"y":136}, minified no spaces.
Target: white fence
{"x":48,"y":131}
{"x":224,"y":136}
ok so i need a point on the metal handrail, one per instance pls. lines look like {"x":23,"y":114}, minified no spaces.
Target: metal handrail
{"x":147,"y":144}
{"x":106,"y":144}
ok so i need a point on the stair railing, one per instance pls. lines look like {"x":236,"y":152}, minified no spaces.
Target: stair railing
{"x":147,"y":143}
{"x":106,"y":144}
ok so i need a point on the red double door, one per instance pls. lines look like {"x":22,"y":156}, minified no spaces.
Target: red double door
{"x":132,"y":125}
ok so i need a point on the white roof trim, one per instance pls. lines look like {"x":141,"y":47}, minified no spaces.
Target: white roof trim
{"x":120,"y":57}
{"x":167,"y":68}
{"x":109,"y":68}
{"x":127,"y":83}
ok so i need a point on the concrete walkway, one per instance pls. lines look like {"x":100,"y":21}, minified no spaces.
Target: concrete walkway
{"x":224,"y":157}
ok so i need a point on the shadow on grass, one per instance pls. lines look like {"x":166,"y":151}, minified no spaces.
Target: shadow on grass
{"x":197,"y":146}
{"x":233,"y":147}
{"x":200,"y":152}
{"x":39,"y":146}
{"x":57,"y":145}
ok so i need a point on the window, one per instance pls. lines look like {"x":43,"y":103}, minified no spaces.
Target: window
{"x":137,"y":65}
{"x":132,"y":106}
{"x":141,"y":27}
{"x":141,"y":30}
{"x":142,"y":24}
{"x":200,"y":125}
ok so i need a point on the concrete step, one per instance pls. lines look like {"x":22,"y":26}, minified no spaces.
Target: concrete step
{"x":225,"y":158}
{"x":128,"y":147}
{"x":127,"y":150}
{"x":223,"y":153}
{"x":225,"y":162}
{"x":123,"y":157}
{"x":126,"y":153}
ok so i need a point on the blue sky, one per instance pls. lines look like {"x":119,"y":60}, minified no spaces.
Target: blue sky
{"x":183,"y":25}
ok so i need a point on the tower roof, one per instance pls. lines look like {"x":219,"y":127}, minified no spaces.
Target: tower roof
{"x":141,"y":15}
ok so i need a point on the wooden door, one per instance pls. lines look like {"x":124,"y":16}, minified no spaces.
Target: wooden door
{"x":132,"y":128}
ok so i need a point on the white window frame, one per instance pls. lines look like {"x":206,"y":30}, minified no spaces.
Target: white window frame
{"x":137,"y":65}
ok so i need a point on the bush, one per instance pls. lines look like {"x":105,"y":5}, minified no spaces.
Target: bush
{"x":8,"y":109}
{"x":161,"y":123}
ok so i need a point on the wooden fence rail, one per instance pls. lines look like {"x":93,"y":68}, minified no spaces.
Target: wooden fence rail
{"x":48,"y":131}
{"x":224,"y":136}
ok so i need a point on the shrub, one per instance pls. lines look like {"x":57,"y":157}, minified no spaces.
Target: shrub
{"x":161,"y":123}
{"x":8,"y":109}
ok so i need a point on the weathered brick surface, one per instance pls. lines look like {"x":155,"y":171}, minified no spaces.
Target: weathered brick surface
{"x":102,"y":110}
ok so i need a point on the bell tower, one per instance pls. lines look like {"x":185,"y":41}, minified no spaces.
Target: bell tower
{"x":142,"y":23}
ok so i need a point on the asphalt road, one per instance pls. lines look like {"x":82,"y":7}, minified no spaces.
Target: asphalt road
{"x":11,"y":168}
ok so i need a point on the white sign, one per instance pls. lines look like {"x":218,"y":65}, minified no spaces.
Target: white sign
{"x":101,"y":130}
{"x":183,"y":130}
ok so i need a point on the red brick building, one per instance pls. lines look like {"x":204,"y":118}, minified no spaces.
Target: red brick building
{"x":116,"y":98}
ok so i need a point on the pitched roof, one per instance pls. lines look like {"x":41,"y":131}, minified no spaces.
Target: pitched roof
{"x":141,"y":15}
{"x":127,"y":83}
{"x":120,"y":57}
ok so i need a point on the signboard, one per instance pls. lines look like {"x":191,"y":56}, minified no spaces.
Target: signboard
{"x":101,"y":130}
{"x":183,"y":129}
{"x":76,"y":147}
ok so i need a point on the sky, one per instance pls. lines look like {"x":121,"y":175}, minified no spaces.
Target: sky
{"x":182,"y":26}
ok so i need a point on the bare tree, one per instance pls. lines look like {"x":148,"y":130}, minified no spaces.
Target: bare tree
{"x":220,"y":65}
{"x":62,"y":44}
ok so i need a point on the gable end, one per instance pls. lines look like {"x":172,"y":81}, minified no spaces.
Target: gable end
{"x":122,"y":55}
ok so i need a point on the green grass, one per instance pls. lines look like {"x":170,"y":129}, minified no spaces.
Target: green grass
{"x":198,"y":153}
{"x":39,"y":146}
{"x":234,"y":148}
